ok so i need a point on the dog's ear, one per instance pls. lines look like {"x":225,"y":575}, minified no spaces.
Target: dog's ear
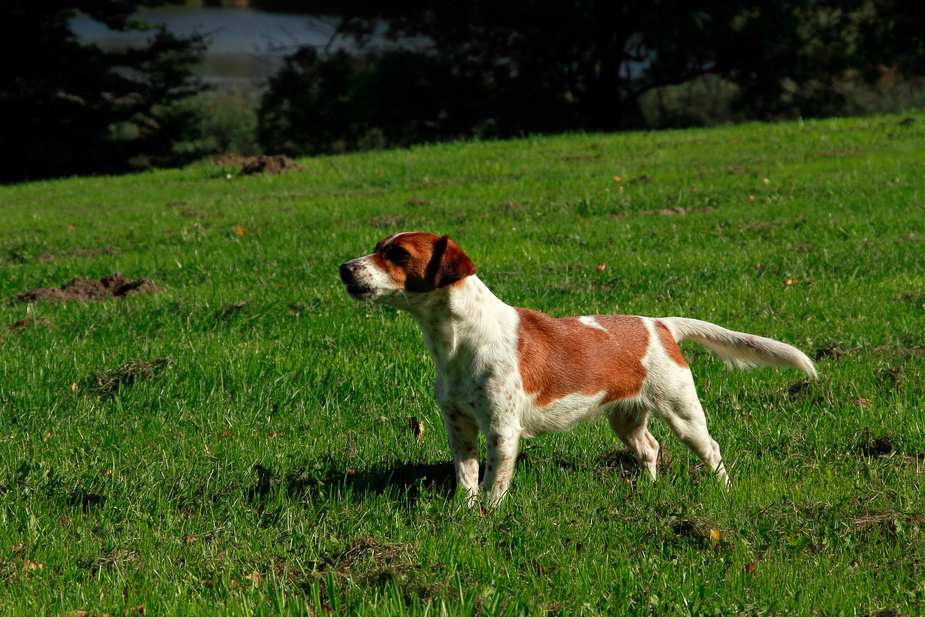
{"x":452,"y":264}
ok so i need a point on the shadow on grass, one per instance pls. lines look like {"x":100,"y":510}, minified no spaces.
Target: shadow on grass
{"x":409,"y":481}
{"x":397,"y":480}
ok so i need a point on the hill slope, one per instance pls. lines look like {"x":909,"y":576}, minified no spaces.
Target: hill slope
{"x":237,"y":440}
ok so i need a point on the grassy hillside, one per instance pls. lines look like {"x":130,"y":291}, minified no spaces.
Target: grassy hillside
{"x":239,"y":442}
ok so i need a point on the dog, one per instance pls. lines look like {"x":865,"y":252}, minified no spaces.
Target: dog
{"x":516,"y":373}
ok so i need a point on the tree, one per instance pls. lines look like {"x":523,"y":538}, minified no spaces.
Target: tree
{"x":552,"y":65}
{"x":60,"y":99}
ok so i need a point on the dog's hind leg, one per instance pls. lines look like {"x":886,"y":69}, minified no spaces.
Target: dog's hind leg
{"x":630,"y":427}
{"x":681,"y":409}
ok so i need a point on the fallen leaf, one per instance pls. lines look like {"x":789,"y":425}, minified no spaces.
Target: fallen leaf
{"x":788,"y":282}
{"x":601,"y":266}
{"x":74,"y":387}
{"x":716,"y":537}
{"x":255,"y":578}
{"x":189,"y":539}
{"x":417,"y":428}
{"x":617,"y":179}
{"x":18,"y":548}
{"x":29,"y":565}
{"x":766,"y":181}
{"x":751,"y":198}
{"x":863,"y":403}
{"x":750,"y":568}
{"x":240,"y":231}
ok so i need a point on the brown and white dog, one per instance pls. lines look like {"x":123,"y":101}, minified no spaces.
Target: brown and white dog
{"x":515,"y":373}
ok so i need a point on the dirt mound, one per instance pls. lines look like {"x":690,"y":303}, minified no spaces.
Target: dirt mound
{"x":110,"y":287}
{"x":264,"y":164}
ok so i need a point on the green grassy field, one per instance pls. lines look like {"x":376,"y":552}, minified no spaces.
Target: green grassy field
{"x":239,"y":443}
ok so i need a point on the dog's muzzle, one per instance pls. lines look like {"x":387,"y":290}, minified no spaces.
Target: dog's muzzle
{"x":354,"y":289}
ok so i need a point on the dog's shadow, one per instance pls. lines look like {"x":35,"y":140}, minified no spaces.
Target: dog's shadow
{"x":398,"y":480}
{"x":408,"y":481}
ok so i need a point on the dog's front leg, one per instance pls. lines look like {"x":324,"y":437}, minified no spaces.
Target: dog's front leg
{"x":463,"y":437}
{"x":502,"y":445}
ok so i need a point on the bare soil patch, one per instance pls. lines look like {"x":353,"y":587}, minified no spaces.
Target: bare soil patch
{"x":366,"y":551}
{"x":110,"y":287}
{"x":30,"y":322}
{"x":875,"y":446}
{"x":884,"y":612}
{"x":696,"y":530}
{"x":108,"y":382}
{"x":581,"y":158}
{"x":419,"y":201}
{"x":673,"y":211}
{"x":386,"y":221}
{"x":85,"y":253}
{"x":831,"y":349}
{"x":263,"y":164}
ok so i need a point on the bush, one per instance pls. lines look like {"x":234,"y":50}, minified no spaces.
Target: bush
{"x":387,"y":99}
{"x":212,"y":123}
{"x":710,"y":101}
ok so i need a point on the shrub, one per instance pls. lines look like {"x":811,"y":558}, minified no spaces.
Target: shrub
{"x":211,"y":123}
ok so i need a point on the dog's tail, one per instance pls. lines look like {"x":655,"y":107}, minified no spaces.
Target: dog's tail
{"x":738,"y":349}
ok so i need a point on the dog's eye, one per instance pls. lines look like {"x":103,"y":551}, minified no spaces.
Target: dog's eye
{"x":396,"y":254}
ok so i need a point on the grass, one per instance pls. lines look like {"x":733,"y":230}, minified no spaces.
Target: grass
{"x":240,"y":443}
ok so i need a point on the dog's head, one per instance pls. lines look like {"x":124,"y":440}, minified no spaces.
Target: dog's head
{"x":405,"y":265}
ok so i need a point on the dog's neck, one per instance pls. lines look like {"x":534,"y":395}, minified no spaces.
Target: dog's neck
{"x":460,"y":323}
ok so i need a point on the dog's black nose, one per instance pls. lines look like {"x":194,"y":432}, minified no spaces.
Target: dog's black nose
{"x":346,"y":273}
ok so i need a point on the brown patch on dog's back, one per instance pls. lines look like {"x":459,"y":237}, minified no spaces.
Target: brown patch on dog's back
{"x":558,"y":357}
{"x":669,"y":344}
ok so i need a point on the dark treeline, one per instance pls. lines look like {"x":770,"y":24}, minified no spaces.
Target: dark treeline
{"x":490,"y":68}
{"x":429,"y":70}
{"x":71,"y":108}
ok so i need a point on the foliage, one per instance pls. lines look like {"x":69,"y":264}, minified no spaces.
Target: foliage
{"x":250,"y":451}
{"x":711,"y":101}
{"x":60,"y":98}
{"x":440,"y":70}
{"x":214,"y":123}
{"x":395,"y":98}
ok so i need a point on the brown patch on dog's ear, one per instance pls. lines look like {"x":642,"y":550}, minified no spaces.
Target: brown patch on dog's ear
{"x":452,"y":264}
